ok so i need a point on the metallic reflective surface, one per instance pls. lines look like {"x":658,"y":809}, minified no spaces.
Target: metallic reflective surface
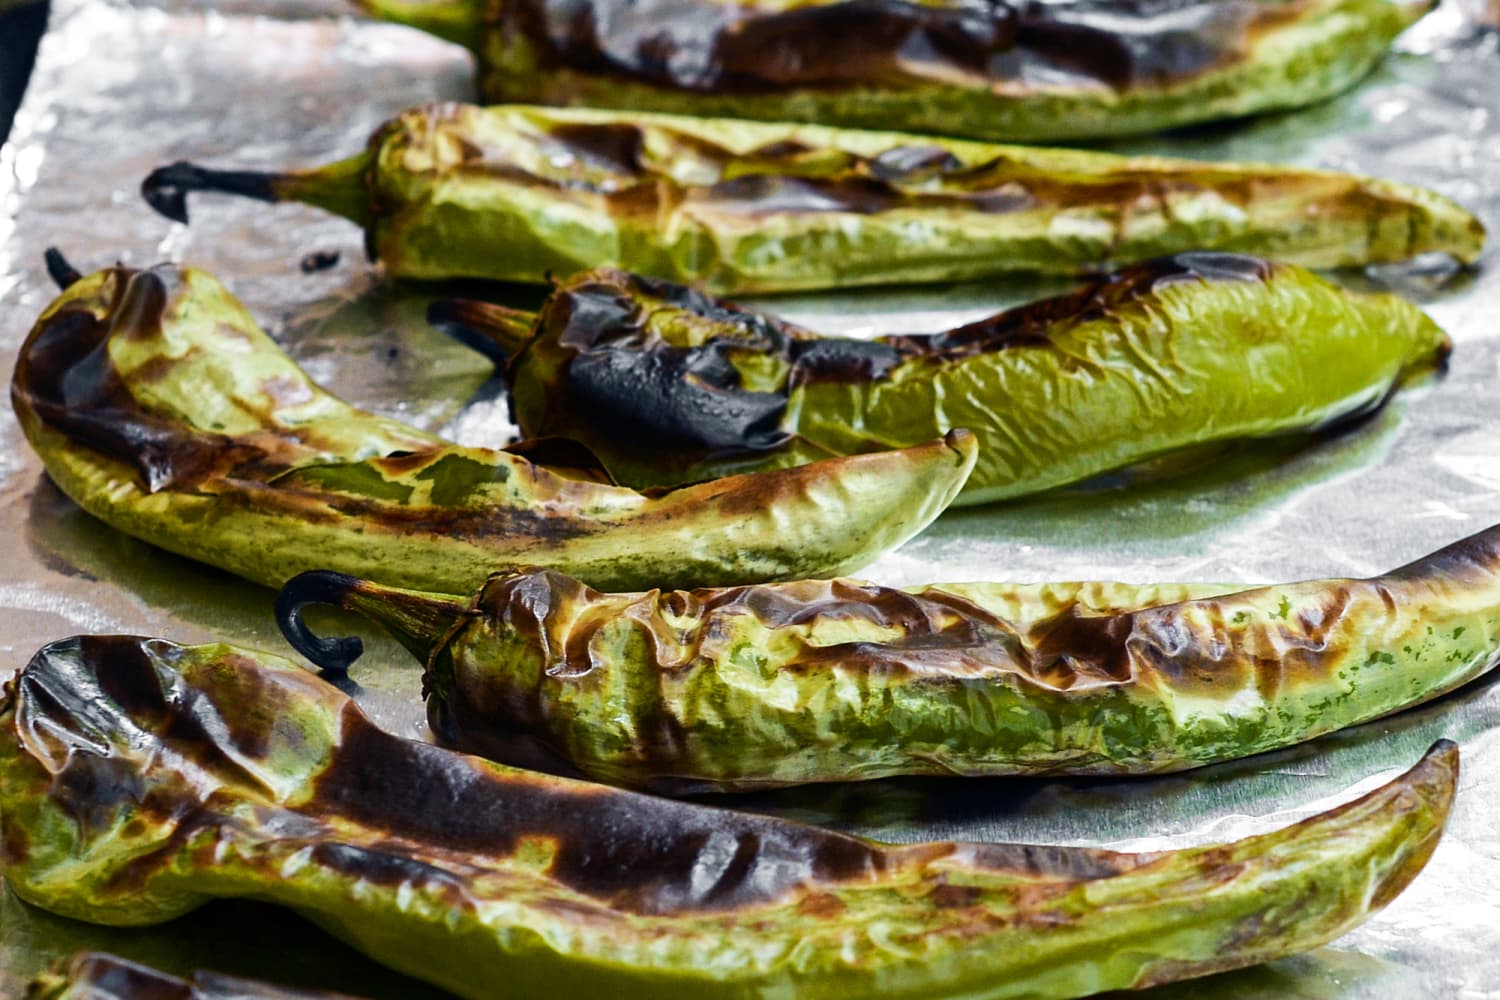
{"x":120,"y":89}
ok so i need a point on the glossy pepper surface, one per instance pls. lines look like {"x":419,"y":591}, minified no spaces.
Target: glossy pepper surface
{"x":749,"y":687}
{"x":1010,"y":70}
{"x":99,"y":976}
{"x":158,"y":406}
{"x":518,"y":192}
{"x":668,"y":385}
{"x":140,"y":779}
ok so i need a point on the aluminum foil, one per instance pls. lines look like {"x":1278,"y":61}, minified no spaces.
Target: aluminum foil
{"x":120,"y":88}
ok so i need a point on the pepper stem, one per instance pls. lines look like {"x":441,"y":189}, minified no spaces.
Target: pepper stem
{"x":337,"y":187}
{"x":417,"y":620}
{"x":497,"y":332}
{"x":59,"y":270}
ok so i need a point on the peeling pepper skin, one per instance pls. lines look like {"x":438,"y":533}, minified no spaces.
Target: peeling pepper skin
{"x":1015,"y":71}
{"x":667,"y":385}
{"x":141,"y":779}
{"x":781,"y":684}
{"x":158,"y":406}
{"x":518,"y":192}
{"x":98,"y":976}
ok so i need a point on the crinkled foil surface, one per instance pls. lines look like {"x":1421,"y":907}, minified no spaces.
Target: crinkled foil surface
{"x":121,"y":88}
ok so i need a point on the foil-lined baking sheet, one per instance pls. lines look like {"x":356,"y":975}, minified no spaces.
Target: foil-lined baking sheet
{"x":121,"y":88}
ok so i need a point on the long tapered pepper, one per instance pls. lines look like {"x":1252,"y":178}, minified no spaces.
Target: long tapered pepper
{"x":667,"y":385}
{"x":781,"y":684}
{"x":98,"y":976}
{"x":158,"y":406}
{"x":517,"y":192}
{"x":996,"y":69}
{"x":140,"y":779}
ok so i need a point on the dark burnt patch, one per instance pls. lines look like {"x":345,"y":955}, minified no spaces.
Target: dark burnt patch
{"x":65,"y":377}
{"x":613,"y":146}
{"x":1033,"y":324}
{"x":721,"y":48}
{"x":633,"y":852}
{"x":1470,"y":559}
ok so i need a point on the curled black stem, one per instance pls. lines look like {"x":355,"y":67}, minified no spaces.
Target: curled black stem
{"x":166,"y":188}
{"x":59,"y":270}
{"x":334,"y":653}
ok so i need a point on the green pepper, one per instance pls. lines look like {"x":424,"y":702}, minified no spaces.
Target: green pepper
{"x":140,"y":779}
{"x":158,"y":406}
{"x":1006,"y":70}
{"x":667,"y":385}
{"x":780,"y":684}
{"x":98,"y":976}
{"x":518,"y":192}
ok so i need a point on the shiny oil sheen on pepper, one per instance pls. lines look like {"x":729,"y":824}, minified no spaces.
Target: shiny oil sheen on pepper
{"x":667,"y":385}
{"x":751,"y":687}
{"x":140,"y":779}
{"x":158,"y":406}
{"x":991,"y":69}
{"x":517,"y":193}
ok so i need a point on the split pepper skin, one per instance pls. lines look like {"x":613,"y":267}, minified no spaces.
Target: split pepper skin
{"x":140,"y":779}
{"x":99,"y":976}
{"x":517,"y":193}
{"x":158,"y":406}
{"x":990,"y":69}
{"x":781,"y":684}
{"x":667,"y":385}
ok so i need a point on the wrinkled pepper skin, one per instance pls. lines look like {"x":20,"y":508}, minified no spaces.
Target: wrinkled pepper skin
{"x":158,"y":406}
{"x":516,"y":193}
{"x":98,"y":976}
{"x":667,"y":385}
{"x":231,"y":774}
{"x":1016,"y":71}
{"x":780,"y":684}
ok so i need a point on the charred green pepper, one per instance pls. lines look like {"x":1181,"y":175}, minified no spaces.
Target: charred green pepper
{"x":781,"y":684}
{"x":140,"y":779}
{"x":97,"y":976}
{"x":517,"y":192}
{"x":992,"y":69}
{"x":158,"y":406}
{"x":667,"y":385}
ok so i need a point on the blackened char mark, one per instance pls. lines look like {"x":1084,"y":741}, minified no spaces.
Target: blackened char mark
{"x":614,"y":147}
{"x":1032,"y":324}
{"x":65,"y":376}
{"x":633,"y":852}
{"x":625,"y":375}
{"x":720,"y":47}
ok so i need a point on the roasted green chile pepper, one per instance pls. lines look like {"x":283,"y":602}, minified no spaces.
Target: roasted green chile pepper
{"x":779,"y":684}
{"x":667,"y":385}
{"x":158,"y":406}
{"x":991,"y":69}
{"x":98,"y":976}
{"x":518,"y":192}
{"x":140,"y":779}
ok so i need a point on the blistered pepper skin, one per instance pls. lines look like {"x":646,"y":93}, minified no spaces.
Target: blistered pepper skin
{"x":782,"y":684}
{"x":99,"y":976}
{"x":1011,"y":71}
{"x":520,"y":192}
{"x":158,"y":405}
{"x":233,"y":774}
{"x":667,"y":385}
